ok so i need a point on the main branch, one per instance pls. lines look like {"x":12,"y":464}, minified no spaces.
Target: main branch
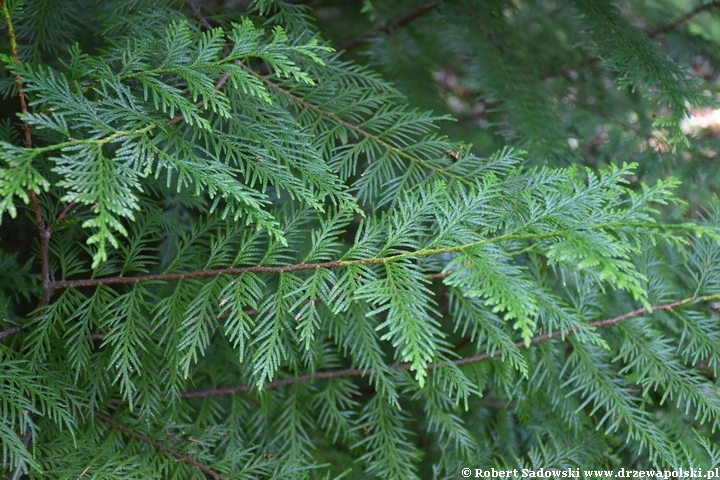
{"x":164,"y":277}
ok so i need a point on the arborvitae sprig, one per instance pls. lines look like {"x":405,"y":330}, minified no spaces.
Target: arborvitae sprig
{"x":254,"y":259}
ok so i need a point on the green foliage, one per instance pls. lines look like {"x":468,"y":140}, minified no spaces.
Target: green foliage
{"x":228,"y":250}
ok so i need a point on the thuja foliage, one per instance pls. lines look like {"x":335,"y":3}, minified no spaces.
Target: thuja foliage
{"x":231,"y":249}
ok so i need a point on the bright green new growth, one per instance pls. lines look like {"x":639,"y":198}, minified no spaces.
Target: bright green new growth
{"x":260,"y":262}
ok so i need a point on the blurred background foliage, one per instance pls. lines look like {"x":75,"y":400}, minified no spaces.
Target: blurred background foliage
{"x":524,"y":73}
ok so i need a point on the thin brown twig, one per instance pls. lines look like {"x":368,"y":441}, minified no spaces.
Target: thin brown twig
{"x":94,"y":282}
{"x":400,"y":255}
{"x":198,"y":15}
{"x":434,"y":276}
{"x":682,"y":19}
{"x":43,"y":231}
{"x":158,"y":446}
{"x":9,"y":331}
{"x":18,"y":80}
{"x":354,"y":372}
{"x":598,"y":324}
{"x":65,"y":211}
{"x":394,"y":25}
{"x":170,"y":277}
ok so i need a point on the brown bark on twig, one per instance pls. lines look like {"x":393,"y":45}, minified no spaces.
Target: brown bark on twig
{"x":682,"y":19}
{"x":158,"y":446}
{"x":394,"y":25}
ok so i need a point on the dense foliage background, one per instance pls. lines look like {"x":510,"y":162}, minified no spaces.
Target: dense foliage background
{"x":252,"y":239}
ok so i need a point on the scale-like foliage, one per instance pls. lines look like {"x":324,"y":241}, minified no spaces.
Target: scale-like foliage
{"x":256,"y":258}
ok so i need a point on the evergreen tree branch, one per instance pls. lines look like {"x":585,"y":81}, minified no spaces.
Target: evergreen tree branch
{"x":354,"y":372}
{"x":94,"y":282}
{"x":682,"y":19}
{"x":43,"y":230}
{"x":13,"y":52}
{"x":401,"y":21}
{"x":164,"y":158}
{"x":221,"y":81}
{"x":225,"y":76}
{"x":158,"y":446}
{"x":92,"y":141}
{"x":394,"y":25}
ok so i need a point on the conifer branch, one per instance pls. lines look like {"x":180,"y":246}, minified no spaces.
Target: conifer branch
{"x":62,"y":214}
{"x":158,"y":446}
{"x":94,"y":282}
{"x":401,"y":21}
{"x":43,"y":230}
{"x":683,"y":18}
{"x":92,"y":141}
{"x":18,"y":80}
{"x":394,"y":25}
{"x":355,"y":372}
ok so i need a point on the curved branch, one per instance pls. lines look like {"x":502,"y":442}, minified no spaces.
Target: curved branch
{"x":354,"y":372}
{"x":9,"y":331}
{"x":43,"y":230}
{"x":682,"y":19}
{"x":158,"y":446}
{"x":198,"y":15}
{"x":394,"y":25}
